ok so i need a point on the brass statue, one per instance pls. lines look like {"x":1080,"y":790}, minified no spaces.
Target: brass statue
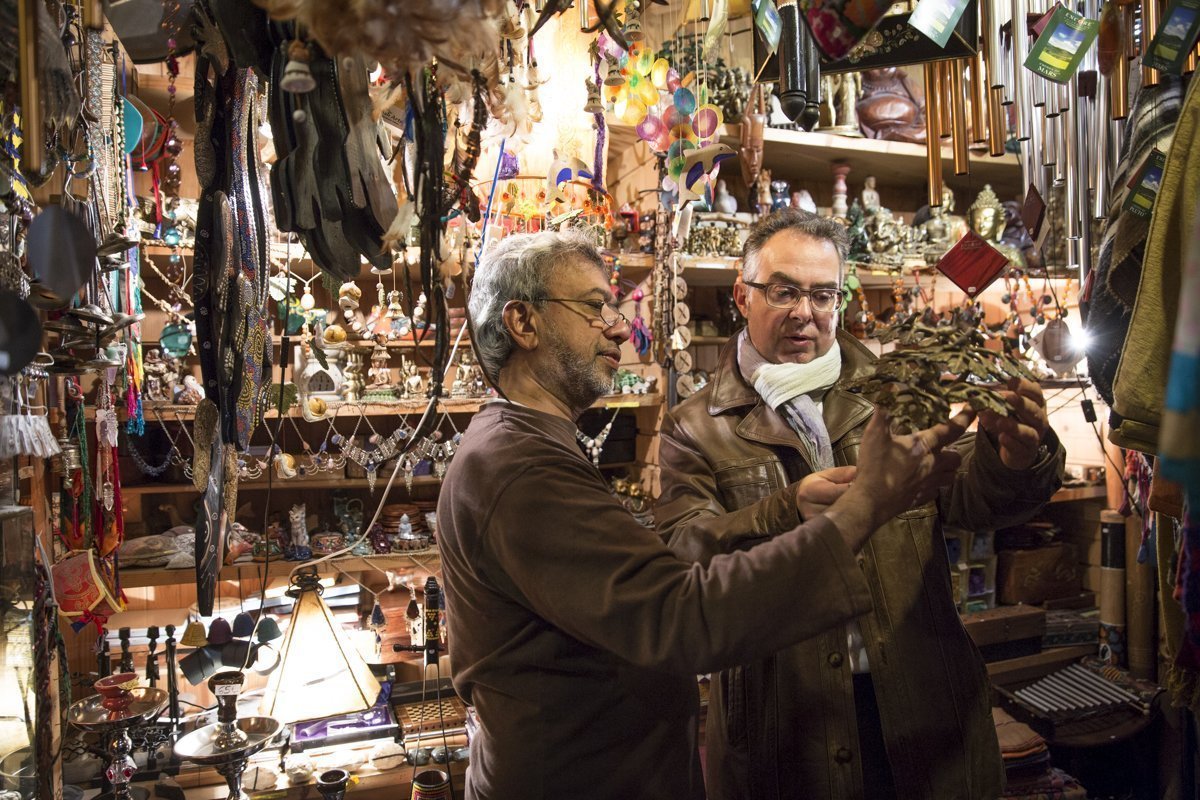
{"x":839,"y":96}
{"x":986,"y":218}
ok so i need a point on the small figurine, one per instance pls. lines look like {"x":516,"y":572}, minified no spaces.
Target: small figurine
{"x":764,"y":191}
{"x":839,"y":94}
{"x":190,"y":393}
{"x":157,"y":380}
{"x":780,"y":194}
{"x":414,"y":387}
{"x":723,"y":201}
{"x":986,"y":217}
{"x":379,"y":375}
{"x":298,"y":549}
{"x":888,"y":108}
{"x":870,"y":197}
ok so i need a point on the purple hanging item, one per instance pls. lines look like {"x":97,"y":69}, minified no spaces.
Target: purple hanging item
{"x":510,"y":166}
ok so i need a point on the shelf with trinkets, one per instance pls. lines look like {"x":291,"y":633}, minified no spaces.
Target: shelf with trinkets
{"x":139,"y":577}
{"x":445,"y":406}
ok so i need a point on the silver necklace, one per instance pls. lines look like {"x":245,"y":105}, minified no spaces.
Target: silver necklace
{"x":593,"y":447}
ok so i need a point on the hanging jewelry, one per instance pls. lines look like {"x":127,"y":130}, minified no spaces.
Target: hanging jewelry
{"x":594,"y":446}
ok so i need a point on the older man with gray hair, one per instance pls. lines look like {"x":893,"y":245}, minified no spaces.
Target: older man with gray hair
{"x":575,"y":632}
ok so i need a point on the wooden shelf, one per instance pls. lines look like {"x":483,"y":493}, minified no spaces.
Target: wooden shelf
{"x":1080,"y":493}
{"x":698,"y":341}
{"x":801,"y":154}
{"x":286,"y":485}
{"x":446,"y":406}
{"x":137,"y":577}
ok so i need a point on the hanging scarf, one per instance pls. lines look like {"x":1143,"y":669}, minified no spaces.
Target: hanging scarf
{"x":788,"y":388}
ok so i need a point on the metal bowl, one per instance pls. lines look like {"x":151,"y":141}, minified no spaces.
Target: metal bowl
{"x":201,"y":745}
{"x":90,"y":715}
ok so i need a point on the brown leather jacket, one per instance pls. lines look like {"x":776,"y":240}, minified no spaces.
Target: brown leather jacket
{"x":785,"y":727}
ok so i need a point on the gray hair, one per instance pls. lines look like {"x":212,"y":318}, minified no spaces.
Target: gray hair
{"x":519,"y":268}
{"x":824,"y":229}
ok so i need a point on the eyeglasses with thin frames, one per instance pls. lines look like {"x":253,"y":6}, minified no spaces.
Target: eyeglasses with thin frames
{"x":608,"y":313}
{"x":787,"y":296}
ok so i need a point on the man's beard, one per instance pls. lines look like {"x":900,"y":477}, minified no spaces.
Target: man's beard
{"x":581,"y":380}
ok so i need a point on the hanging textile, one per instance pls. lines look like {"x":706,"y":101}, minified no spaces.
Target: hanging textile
{"x":1141,"y":378}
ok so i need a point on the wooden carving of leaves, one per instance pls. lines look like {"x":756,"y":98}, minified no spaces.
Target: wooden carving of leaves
{"x":934,"y":367}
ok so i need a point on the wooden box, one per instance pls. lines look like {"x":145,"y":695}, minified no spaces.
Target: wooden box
{"x":1038,"y":574}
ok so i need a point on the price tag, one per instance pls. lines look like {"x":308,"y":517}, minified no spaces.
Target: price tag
{"x":1145,"y":184}
{"x":937,"y":18}
{"x":1175,"y":38}
{"x":623,"y":404}
{"x":1059,"y":50}
{"x":226,"y":689}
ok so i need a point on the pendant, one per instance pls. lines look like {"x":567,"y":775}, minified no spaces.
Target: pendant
{"x":371,"y":479}
{"x":408,"y":474}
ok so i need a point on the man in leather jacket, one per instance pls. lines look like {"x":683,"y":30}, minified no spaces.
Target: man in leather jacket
{"x":895,"y":703}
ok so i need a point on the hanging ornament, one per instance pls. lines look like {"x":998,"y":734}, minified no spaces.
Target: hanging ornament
{"x":297,"y":77}
{"x":594,"y":105}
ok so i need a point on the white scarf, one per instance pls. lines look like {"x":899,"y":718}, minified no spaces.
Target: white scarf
{"x":778,"y":383}
{"x":786,"y":388}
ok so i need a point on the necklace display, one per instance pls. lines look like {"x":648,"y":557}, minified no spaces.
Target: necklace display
{"x":594,"y":446}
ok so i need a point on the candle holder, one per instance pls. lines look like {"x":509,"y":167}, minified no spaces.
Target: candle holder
{"x":113,"y":712}
{"x":332,"y":784}
{"x":227,"y":744}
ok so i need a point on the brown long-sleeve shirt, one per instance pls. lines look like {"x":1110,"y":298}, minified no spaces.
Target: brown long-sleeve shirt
{"x":577,"y":634}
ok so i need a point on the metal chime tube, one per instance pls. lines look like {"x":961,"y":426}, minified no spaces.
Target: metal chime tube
{"x":1085,"y":154}
{"x":1149,"y":27}
{"x":583,"y":15}
{"x":992,"y":47}
{"x":1037,"y":155}
{"x":1118,"y":85}
{"x":946,"y":123}
{"x":1022,"y":98}
{"x":958,"y":118}
{"x":1070,"y":161}
{"x":32,"y":147}
{"x":933,"y":141}
{"x":1049,"y":141}
{"x":997,"y":124}
{"x":978,"y":100}
{"x":1103,"y":131}
{"x":1006,"y":72}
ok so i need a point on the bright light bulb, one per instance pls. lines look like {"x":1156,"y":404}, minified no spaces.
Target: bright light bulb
{"x":307,"y":301}
{"x":1080,"y":340}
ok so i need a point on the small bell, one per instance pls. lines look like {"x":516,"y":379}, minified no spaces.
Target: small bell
{"x":594,"y":104}
{"x":193,"y":635}
{"x":297,"y":77}
{"x":219,"y":633}
{"x":614,"y":76}
{"x":243,"y":625}
{"x":268,"y":630}
{"x":633,"y":24}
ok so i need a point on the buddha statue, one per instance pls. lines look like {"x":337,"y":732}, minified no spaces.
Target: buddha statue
{"x":888,"y":108}
{"x":986,"y":218}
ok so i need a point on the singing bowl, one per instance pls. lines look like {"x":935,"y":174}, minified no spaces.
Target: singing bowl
{"x":200,"y":746}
